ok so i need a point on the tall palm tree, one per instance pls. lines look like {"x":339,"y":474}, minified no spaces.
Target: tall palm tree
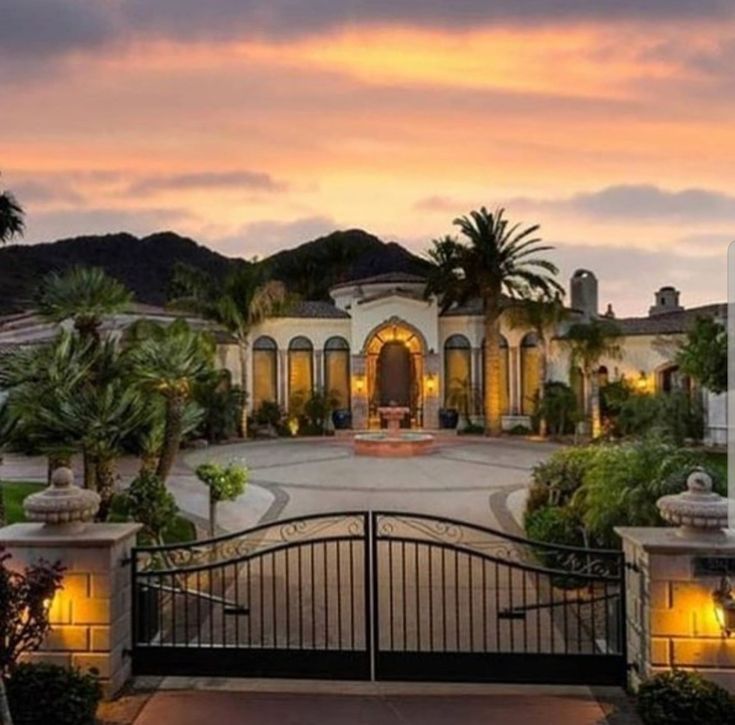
{"x":243,"y":300}
{"x":493,"y":261}
{"x":12,"y":223}
{"x":168,"y":361}
{"x":85,"y":295}
{"x":543,"y":316}
{"x":588,"y":343}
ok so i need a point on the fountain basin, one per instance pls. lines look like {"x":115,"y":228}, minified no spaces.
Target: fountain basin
{"x":392,"y":444}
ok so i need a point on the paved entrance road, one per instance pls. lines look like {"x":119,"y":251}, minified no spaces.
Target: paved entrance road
{"x":231,"y":708}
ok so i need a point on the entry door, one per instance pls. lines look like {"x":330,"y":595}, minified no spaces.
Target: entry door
{"x":394,"y":373}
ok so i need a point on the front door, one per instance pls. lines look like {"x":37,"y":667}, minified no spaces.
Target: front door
{"x":394,"y":374}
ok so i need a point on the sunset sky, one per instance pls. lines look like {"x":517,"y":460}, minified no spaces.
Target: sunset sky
{"x":252,"y":125}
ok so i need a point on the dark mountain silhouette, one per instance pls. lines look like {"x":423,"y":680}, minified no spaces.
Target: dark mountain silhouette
{"x":146,"y":265}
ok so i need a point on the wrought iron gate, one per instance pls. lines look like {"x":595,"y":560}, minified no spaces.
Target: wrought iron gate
{"x":379,"y":595}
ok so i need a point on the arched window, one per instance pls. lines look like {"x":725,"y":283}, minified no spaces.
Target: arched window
{"x":457,"y":367}
{"x":530,"y":373}
{"x":265,"y":371}
{"x":337,"y":370}
{"x":300,"y":373}
{"x":504,"y":376}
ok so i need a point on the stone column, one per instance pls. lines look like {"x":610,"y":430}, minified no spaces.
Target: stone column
{"x":91,"y":615}
{"x":281,"y":377}
{"x":359,"y":400}
{"x":319,"y":369}
{"x":432,"y":363}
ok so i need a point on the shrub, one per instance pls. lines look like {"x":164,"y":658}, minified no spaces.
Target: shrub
{"x":675,"y":416}
{"x":225,"y":483}
{"x":520,"y":430}
{"x":562,"y":474}
{"x":559,"y":408}
{"x":25,"y":599}
{"x":222,"y":405}
{"x":554,"y":525}
{"x":684,"y":698}
{"x":149,"y":502}
{"x":40,"y":694}
{"x":269,"y":413}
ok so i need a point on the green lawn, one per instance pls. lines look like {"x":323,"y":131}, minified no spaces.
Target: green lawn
{"x":14,"y":492}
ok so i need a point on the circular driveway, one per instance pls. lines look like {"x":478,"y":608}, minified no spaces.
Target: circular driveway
{"x":469,"y":479}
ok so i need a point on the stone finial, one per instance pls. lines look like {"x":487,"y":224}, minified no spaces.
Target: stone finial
{"x":698,"y":510}
{"x":62,"y":504}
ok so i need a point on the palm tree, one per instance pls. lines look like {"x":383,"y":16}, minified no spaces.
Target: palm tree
{"x":543,"y":316}
{"x":84,"y":294}
{"x":168,"y":361}
{"x":495,"y":259}
{"x":588,"y":343}
{"x":12,"y":222}
{"x":243,"y":300}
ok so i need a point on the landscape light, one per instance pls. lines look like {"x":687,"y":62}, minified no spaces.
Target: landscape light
{"x":724,"y":602}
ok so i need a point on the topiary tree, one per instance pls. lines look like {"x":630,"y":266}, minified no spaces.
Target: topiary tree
{"x":225,"y":483}
{"x":148,"y":502}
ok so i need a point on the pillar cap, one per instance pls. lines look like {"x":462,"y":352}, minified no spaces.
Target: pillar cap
{"x":698,"y":510}
{"x":62,"y":504}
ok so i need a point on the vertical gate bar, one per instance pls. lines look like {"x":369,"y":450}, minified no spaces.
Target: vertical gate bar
{"x":444,"y":600}
{"x":524,"y":587}
{"x":372,"y":607}
{"x":471,"y":562}
{"x":173,"y":610}
{"x":287,"y":552}
{"x":430,"y":554}
{"x":565,"y":607}
{"x":186,"y":610}
{"x":325,"y":557}
{"x":403,"y":578}
{"x":161,"y":636}
{"x":497,"y":606}
{"x":261,"y":613}
{"x":274,"y":599}
{"x":300,"y":598}
{"x":622,"y":616}
{"x":199,"y":608}
{"x":352,"y":594}
{"x":389,"y":544}
{"x":251,"y":608}
{"x":456,"y":601}
{"x":134,"y":614}
{"x":339,"y":596}
{"x":606,"y":608}
{"x":223,"y":588}
{"x":484,"y":606}
{"x":592,"y":615}
{"x":551,"y":611}
{"x":238,"y":603}
{"x":312,"y":559}
{"x":416,"y":597}
{"x":538,"y":611}
{"x":579,"y":626}
{"x":511,"y":622}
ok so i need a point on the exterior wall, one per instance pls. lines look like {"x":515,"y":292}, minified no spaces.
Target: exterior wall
{"x":91,"y":615}
{"x":670,"y":614}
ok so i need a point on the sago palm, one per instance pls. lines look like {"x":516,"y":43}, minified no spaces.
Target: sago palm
{"x":588,"y":343}
{"x":85,"y":295}
{"x":494,"y":260}
{"x":243,"y":300}
{"x":168,"y":361}
{"x":543,"y":316}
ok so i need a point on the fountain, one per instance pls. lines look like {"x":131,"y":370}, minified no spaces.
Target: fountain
{"x":393,"y":442}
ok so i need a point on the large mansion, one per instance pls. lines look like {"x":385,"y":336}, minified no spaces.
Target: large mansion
{"x":380,"y":342}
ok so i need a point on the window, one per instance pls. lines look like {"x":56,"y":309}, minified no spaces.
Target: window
{"x":265,"y":371}
{"x":457,"y":373}
{"x":530,"y":373}
{"x":300,"y":373}
{"x":337,"y":370}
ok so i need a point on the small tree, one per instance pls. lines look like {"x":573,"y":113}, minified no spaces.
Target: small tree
{"x":148,"y":502}
{"x":704,"y":354}
{"x":225,"y":483}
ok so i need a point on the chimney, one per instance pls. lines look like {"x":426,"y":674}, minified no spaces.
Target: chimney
{"x":665,"y":300}
{"x":583,"y":293}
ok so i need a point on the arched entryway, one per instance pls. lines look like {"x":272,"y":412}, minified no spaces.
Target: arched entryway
{"x":395,"y":370}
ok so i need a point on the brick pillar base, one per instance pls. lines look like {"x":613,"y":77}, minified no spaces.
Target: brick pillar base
{"x":90,"y":616}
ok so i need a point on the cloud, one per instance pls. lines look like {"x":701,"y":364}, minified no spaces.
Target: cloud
{"x":250,"y":180}
{"x":52,"y":225}
{"x":32,"y":193}
{"x":261,"y":238}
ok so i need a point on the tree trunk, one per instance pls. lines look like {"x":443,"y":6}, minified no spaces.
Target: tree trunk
{"x":90,"y":470}
{"x":105,"y":474}
{"x":594,"y":405}
{"x":5,"y":717}
{"x":493,"y":380}
{"x":171,"y":437}
{"x":242,"y":349}
{"x":543,"y":372}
